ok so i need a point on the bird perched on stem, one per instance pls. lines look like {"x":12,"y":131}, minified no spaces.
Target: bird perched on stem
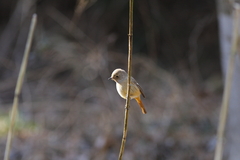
{"x":121,"y":77}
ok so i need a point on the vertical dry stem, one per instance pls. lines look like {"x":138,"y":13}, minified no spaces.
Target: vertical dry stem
{"x":81,"y":6}
{"x":19,"y":86}
{"x":227,"y":86}
{"x":130,"y":49}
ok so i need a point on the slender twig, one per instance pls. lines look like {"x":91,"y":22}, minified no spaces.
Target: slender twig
{"x":19,"y":86}
{"x":81,"y":6}
{"x":228,"y":85}
{"x":193,"y":51}
{"x":130,"y":49}
{"x":64,"y":22}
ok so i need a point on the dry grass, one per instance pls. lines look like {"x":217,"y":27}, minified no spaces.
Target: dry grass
{"x":14,"y":111}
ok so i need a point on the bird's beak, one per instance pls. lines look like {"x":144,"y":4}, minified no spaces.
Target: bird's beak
{"x":110,"y":78}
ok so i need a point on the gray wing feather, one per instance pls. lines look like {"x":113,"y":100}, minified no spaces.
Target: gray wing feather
{"x":134,"y":81}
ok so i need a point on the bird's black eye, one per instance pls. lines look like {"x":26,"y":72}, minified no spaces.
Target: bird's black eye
{"x":116,"y":76}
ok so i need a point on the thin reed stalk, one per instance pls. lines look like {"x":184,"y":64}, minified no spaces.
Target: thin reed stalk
{"x":227,"y":85}
{"x":130,"y":50}
{"x":19,"y":87}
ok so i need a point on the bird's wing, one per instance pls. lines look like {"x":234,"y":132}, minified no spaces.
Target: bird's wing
{"x":139,"y":87}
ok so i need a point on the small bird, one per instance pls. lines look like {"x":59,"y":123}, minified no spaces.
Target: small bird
{"x":121,"y":77}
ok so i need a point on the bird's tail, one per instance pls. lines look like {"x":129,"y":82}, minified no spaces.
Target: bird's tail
{"x":139,"y":101}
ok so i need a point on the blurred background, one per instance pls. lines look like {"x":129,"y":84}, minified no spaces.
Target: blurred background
{"x":69,"y":110}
